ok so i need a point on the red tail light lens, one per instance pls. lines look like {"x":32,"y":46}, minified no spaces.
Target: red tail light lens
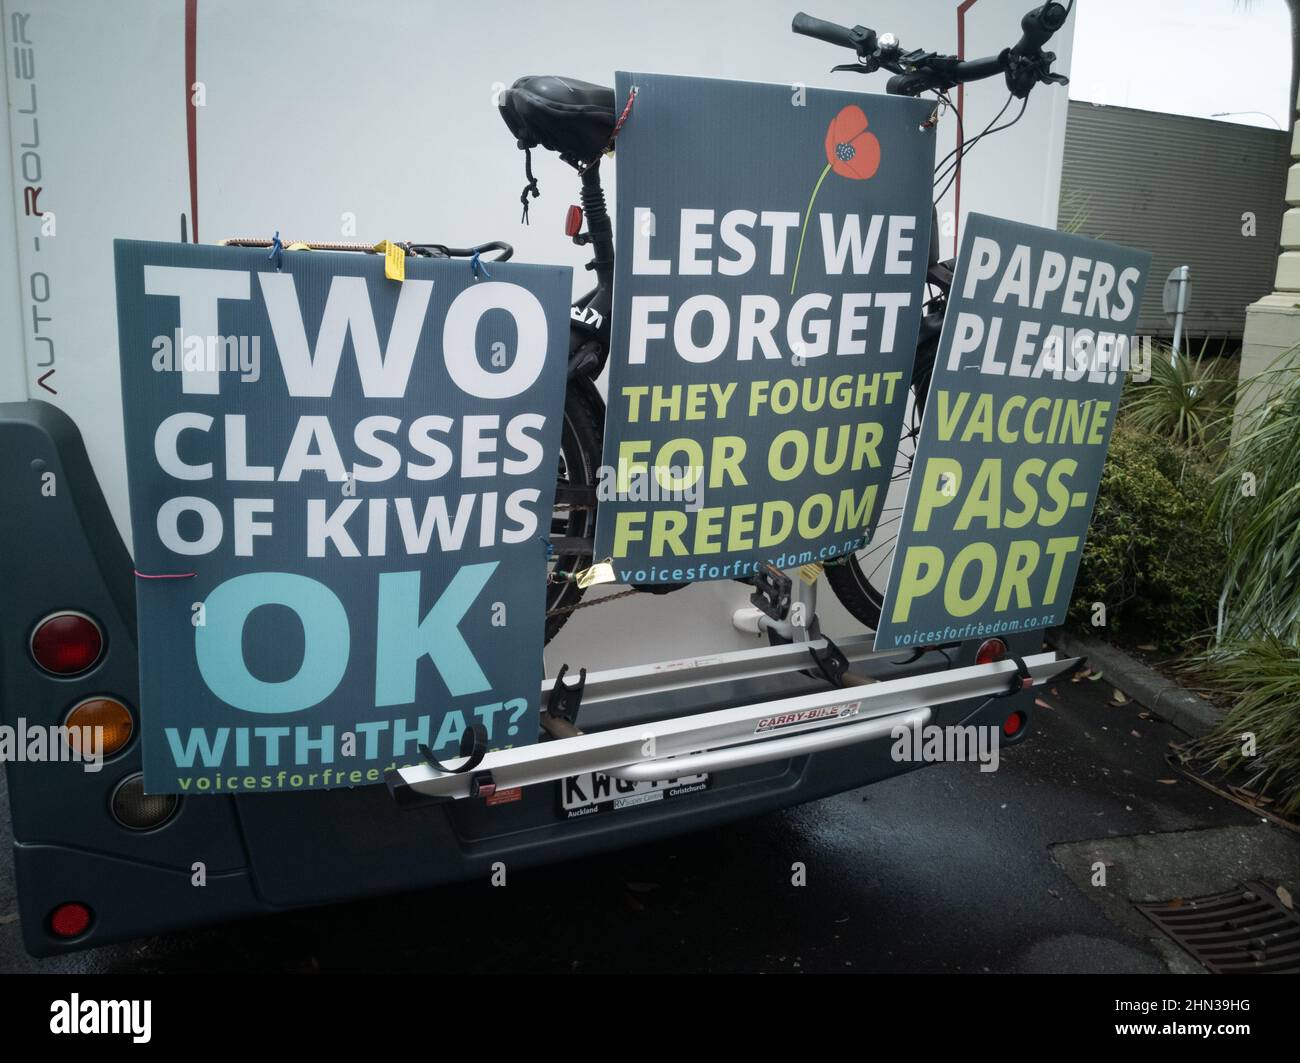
{"x":1013,"y":724}
{"x":70,"y":920}
{"x":67,"y":643}
{"x":573,"y":221}
{"x":990,"y":651}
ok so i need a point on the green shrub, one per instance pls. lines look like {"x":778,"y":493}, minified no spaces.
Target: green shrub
{"x":1258,"y":741}
{"x":1188,"y":400}
{"x":1257,"y":502}
{"x":1154,"y":556}
{"x":1255,"y":662}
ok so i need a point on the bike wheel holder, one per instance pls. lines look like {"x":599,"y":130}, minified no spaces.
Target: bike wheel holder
{"x":727,"y":738}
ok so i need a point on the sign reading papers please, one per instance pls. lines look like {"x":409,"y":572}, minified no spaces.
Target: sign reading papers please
{"x":1026,"y":384}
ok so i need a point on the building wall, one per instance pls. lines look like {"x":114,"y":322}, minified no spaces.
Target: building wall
{"x":1184,"y":189}
{"x":1270,"y":350}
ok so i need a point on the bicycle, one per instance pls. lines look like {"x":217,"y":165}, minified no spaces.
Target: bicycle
{"x":579,"y":121}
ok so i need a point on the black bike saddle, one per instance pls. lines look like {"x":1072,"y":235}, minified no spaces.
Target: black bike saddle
{"x":572,"y":118}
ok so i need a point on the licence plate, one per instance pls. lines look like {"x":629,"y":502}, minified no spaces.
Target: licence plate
{"x":583,"y":795}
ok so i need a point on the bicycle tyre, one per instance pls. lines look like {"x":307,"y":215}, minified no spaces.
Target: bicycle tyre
{"x":580,"y":444}
{"x":857,"y":583}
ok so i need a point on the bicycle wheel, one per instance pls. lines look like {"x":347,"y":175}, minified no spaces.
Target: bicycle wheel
{"x":859,"y":581}
{"x":574,"y":522}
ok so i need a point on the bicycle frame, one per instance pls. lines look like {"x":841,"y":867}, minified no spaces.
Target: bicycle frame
{"x":589,"y":332}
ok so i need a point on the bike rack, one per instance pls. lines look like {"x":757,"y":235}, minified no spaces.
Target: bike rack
{"x":765,"y":730}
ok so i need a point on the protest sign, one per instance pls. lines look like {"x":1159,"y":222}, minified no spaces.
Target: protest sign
{"x":1035,"y":346}
{"x":773,"y":245}
{"x":338,"y":484}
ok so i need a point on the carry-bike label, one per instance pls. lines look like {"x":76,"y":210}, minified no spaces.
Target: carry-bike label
{"x":772,"y":248}
{"x":338,"y":483}
{"x":1036,"y":343}
{"x":783,"y":720}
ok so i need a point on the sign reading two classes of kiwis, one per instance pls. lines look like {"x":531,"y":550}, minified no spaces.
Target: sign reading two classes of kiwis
{"x":773,"y":243}
{"x":338,"y":482}
{"x":1035,"y":346}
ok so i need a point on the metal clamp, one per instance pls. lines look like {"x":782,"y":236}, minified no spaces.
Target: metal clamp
{"x":565,"y":699}
{"x":830,"y":660}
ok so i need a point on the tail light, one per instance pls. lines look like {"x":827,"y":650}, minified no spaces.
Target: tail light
{"x":107,"y":713}
{"x":573,"y":221}
{"x":136,"y":810}
{"x":1013,"y":724}
{"x":70,"y":920}
{"x":67,"y":643}
{"x":990,"y":650}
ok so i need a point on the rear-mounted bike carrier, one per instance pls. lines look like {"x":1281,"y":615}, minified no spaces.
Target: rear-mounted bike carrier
{"x":728,"y":738}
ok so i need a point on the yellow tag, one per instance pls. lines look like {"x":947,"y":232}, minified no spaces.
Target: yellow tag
{"x":809,"y":573}
{"x":394,"y":260}
{"x":298,"y":246}
{"x":600,"y":572}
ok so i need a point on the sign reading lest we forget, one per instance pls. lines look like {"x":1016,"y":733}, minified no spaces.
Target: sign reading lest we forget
{"x":772,"y":252}
{"x":1022,"y":402}
{"x":338,"y":482}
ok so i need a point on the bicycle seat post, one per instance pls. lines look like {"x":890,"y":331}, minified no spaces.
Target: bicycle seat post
{"x":600,"y":229}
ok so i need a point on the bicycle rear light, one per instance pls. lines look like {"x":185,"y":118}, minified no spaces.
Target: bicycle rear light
{"x":990,"y":650}
{"x":573,"y":221}
{"x":66,"y":643}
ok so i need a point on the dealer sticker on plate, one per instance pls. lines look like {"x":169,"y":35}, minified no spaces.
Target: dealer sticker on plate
{"x":582,"y":795}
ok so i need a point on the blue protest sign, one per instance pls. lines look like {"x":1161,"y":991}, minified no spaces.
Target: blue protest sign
{"x":773,"y":245}
{"x":340,"y":489}
{"x":1036,"y":343}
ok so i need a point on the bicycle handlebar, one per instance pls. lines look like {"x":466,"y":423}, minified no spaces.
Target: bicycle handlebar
{"x":859,"y":38}
{"x":1038,"y":26}
{"x":1025,"y":64}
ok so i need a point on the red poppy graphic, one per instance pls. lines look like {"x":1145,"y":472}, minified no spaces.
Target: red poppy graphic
{"x":850,"y":149}
{"x":852,"y":152}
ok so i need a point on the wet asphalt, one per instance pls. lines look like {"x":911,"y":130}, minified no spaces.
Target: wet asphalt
{"x":945,"y":869}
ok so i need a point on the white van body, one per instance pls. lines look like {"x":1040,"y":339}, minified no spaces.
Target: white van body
{"x":317,"y":113}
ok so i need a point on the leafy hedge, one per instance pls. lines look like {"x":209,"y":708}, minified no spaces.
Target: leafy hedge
{"x":1257,"y":501}
{"x":1154,"y":554}
{"x":1261,"y":677}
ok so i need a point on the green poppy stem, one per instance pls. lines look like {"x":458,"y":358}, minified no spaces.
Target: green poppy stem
{"x":804,"y":231}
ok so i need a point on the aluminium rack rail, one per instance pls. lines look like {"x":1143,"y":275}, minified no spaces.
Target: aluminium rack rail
{"x":752,"y":733}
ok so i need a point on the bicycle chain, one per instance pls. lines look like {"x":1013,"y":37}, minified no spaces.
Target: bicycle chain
{"x":595,"y":601}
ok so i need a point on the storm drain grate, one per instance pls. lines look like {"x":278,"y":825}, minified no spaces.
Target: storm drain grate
{"x":1244,"y":931}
